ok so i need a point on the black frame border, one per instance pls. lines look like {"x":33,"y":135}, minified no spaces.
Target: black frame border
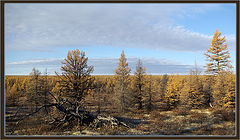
{"x":3,"y":2}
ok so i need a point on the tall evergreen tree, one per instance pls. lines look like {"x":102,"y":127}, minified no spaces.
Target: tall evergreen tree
{"x":193,"y":88}
{"x":149,"y":88}
{"x":11,"y":98}
{"x":224,"y":90}
{"x":46,"y":89}
{"x":172,"y":96}
{"x":122,"y":81}
{"x":218,"y":54}
{"x":163,"y":85}
{"x":229,"y":99}
{"x":207,"y":82}
{"x":34,"y":89}
{"x":76,"y":81}
{"x":139,"y":83}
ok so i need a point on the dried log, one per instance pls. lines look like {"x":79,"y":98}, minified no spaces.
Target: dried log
{"x":84,"y":117}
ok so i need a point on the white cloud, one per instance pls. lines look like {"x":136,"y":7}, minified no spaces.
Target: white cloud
{"x":38,"y":61}
{"x":101,"y":65}
{"x":45,"y":27}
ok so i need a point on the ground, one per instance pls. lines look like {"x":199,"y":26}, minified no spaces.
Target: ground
{"x":174,"y":122}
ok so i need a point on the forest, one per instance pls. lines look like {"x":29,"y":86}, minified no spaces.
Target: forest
{"x":75,"y":102}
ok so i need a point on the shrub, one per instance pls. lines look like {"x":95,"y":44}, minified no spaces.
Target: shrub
{"x":226,"y":115}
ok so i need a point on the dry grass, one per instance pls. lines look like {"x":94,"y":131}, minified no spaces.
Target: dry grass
{"x":176,"y":122}
{"x":181,"y":111}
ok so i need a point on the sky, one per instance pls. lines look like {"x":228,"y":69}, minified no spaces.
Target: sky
{"x":168,"y":38}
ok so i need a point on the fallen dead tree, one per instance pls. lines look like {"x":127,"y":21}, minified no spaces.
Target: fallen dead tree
{"x":83,"y":117}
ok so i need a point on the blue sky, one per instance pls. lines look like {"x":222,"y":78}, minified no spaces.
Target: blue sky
{"x":167,"y":37}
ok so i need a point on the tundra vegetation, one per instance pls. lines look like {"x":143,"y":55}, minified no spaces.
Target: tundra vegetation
{"x":75,"y":102}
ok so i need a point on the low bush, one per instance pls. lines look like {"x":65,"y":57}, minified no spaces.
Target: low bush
{"x":227,"y":115}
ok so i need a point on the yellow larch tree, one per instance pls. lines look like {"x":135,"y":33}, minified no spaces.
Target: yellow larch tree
{"x":76,"y":80}
{"x":150,"y":90}
{"x":139,"y":82}
{"x":172,"y":95}
{"x":218,"y":54}
{"x":192,"y":95}
{"x":224,"y":90}
{"x":122,"y":78}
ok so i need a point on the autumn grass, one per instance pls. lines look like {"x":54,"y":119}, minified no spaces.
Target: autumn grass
{"x":190,"y":123}
{"x":175,"y":122}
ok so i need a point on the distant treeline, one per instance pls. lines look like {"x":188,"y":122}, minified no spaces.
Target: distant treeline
{"x":162,"y":92}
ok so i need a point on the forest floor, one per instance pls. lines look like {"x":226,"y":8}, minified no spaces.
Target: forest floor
{"x":175,"y":122}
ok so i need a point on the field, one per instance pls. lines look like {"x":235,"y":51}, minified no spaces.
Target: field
{"x":177,"y":122}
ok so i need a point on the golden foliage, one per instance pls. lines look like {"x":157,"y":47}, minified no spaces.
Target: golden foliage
{"x":218,"y":54}
{"x":172,"y":95}
{"x":76,"y":80}
{"x":122,"y":78}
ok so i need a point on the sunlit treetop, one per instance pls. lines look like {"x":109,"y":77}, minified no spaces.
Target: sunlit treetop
{"x":218,"y":55}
